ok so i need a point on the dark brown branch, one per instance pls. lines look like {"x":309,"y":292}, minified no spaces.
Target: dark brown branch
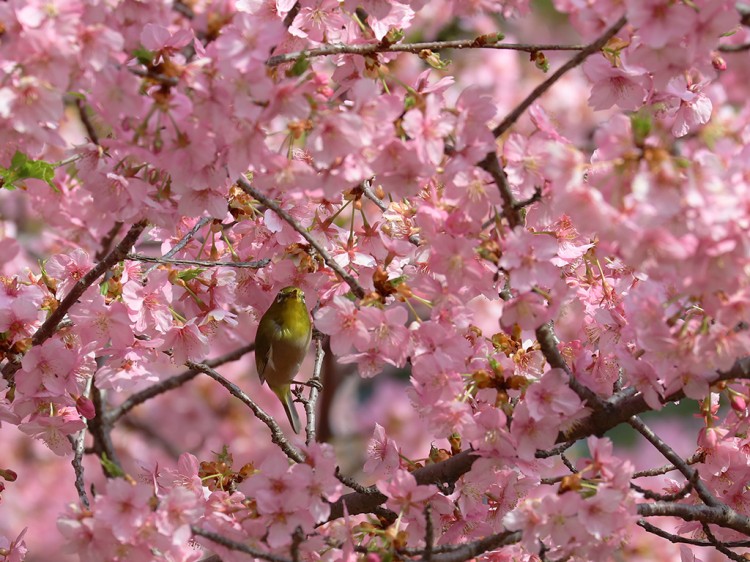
{"x":615,"y":411}
{"x":547,"y":339}
{"x":734,"y":48}
{"x":238,"y":546}
{"x":694,"y":458}
{"x":718,"y":545}
{"x":77,"y":441}
{"x":277,"y":436}
{"x":581,"y":56}
{"x":101,"y":432}
{"x":689,"y":473}
{"x":448,"y":470}
{"x":471,"y":550}
{"x":329,"y":261}
{"x":289,"y":18}
{"x":491,"y":165}
{"x":173,"y":382}
{"x":107,"y":241}
{"x":722,"y":515}
{"x":50,"y":325}
{"x":86,"y":120}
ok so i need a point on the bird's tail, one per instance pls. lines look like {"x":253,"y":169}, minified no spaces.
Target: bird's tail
{"x":285,"y":395}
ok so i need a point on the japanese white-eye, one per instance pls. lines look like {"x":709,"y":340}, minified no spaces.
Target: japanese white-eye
{"x":281,"y":344}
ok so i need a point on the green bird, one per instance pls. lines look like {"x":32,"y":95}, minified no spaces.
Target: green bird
{"x":281,"y":344}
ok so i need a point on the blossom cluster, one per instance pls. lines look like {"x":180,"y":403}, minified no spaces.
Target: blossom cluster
{"x":262,"y":144}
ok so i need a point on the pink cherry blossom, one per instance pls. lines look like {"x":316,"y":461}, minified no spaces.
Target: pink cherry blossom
{"x":623,"y":87}
{"x":383,"y":455}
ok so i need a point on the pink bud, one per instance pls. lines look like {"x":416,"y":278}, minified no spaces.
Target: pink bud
{"x":738,"y":402}
{"x":372,"y":557}
{"x":719,"y":63}
{"x":85,"y":407}
{"x":8,"y":474}
{"x":707,"y":438}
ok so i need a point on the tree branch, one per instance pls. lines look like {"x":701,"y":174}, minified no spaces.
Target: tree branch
{"x":277,"y":436}
{"x":238,"y":546}
{"x":315,"y":385}
{"x":182,"y":242}
{"x":172,"y":382}
{"x":689,"y":473}
{"x":481,"y":42}
{"x":694,"y":458}
{"x":351,"y":281}
{"x":448,"y":470}
{"x":722,"y":516}
{"x":46,"y":330}
{"x":240,"y":264}
{"x":100,"y":430}
{"x":471,"y":550}
{"x":581,"y":56}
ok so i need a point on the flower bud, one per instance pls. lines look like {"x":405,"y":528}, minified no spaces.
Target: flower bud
{"x":85,"y":407}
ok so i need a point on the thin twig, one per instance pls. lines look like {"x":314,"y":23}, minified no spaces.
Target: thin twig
{"x":366,"y":187}
{"x":678,"y":495}
{"x":315,"y":386}
{"x":734,"y":48}
{"x":78,"y":442}
{"x":718,"y":545}
{"x":658,"y":471}
{"x":149,"y":431}
{"x":182,"y":242}
{"x":329,"y":261}
{"x":581,"y":56}
{"x":472,"y":549}
{"x":484,"y":42}
{"x":86,"y":120}
{"x":101,"y":432}
{"x":537,"y":196}
{"x":238,"y":546}
{"x":568,"y":464}
{"x":368,"y":192}
{"x":669,"y":536}
{"x":107,"y":240}
{"x":49,"y":326}
{"x":277,"y":436}
{"x":167,"y":261}
{"x":722,"y":515}
{"x":429,"y":533}
{"x":353,"y":484}
{"x":669,"y":453}
{"x":554,"y":451}
{"x":173,"y":382}
{"x":547,"y":339}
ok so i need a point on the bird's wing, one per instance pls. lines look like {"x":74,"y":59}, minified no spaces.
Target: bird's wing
{"x":263,"y":358}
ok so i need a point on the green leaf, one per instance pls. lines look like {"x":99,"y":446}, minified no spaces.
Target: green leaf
{"x":190,"y":274}
{"x":143,"y":55}
{"x":641,"y":125}
{"x":299,"y":67}
{"x":23,"y":168}
{"x":111,"y":467}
